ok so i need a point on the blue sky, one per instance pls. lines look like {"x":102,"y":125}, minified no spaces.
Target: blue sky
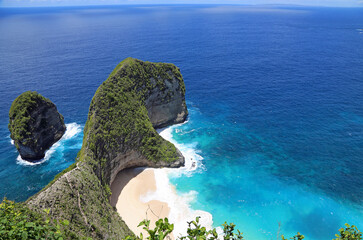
{"x":29,"y":3}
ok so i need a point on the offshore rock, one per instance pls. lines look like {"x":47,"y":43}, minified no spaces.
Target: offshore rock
{"x":35,"y":125}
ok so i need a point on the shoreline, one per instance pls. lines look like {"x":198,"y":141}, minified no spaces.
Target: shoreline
{"x":146,"y":193}
{"x":129,"y":186}
{"x":73,"y":129}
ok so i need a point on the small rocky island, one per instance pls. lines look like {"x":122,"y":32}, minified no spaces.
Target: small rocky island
{"x":35,"y":125}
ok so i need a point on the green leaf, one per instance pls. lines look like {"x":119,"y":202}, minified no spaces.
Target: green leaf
{"x":24,"y":235}
{"x":65,"y":222}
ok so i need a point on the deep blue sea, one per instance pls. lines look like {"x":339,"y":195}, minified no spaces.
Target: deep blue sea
{"x":275,"y":96}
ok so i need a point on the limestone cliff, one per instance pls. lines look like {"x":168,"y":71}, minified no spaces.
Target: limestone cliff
{"x":35,"y":125}
{"x":119,"y":133}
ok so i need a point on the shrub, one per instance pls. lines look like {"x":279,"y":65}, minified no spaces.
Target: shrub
{"x":349,"y":233}
{"x":298,"y":236}
{"x":197,"y":232}
{"x":19,"y":222}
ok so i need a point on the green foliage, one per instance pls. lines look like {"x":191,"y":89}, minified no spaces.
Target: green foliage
{"x":195,"y":231}
{"x":19,"y":115}
{"x":108,"y":190}
{"x":349,"y":233}
{"x":19,"y":222}
{"x":229,"y":234}
{"x":118,"y":119}
{"x":298,"y":236}
{"x":162,"y":229}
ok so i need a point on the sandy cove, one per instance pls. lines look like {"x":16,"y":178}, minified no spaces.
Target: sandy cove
{"x":127,"y":188}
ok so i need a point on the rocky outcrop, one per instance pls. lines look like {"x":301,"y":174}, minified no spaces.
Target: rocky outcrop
{"x":168,"y":106}
{"x":119,"y":133}
{"x":35,"y":125}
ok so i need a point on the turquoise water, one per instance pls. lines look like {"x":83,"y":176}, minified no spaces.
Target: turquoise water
{"x":275,"y":100}
{"x":239,"y":180}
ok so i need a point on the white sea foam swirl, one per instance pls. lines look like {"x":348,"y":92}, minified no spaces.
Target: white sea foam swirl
{"x":73,"y":129}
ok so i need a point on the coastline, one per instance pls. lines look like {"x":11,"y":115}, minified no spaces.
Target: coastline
{"x":73,"y":129}
{"x":127,"y":189}
{"x":148,"y":194}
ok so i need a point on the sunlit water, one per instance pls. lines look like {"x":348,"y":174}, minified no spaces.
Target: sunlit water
{"x":274,"y":94}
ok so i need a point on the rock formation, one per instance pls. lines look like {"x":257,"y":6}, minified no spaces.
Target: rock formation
{"x":35,"y":125}
{"x":119,"y":133}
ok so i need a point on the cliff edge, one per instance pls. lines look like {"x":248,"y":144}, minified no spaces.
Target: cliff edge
{"x":35,"y":125}
{"x":119,"y":133}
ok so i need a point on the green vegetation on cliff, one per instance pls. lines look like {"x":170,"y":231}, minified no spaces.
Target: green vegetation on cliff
{"x":20,"y":119}
{"x":118,"y":119}
{"x":118,"y":134}
{"x":35,"y":125}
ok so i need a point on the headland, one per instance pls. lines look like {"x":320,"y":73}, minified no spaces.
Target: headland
{"x":119,"y":134}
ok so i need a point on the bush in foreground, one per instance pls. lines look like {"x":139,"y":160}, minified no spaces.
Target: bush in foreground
{"x":195,"y":231}
{"x":349,"y":233}
{"x":18,"y":222}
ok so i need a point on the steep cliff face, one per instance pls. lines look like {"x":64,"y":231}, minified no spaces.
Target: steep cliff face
{"x":166,"y":104}
{"x":35,"y":125}
{"x":119,"y":125}
{"x":119,"y":133}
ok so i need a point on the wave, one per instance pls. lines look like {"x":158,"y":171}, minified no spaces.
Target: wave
{"x":179,"y":204}
{"x":73,"y":129}
{"x":180,"y":209}
{"x":193,"y":159}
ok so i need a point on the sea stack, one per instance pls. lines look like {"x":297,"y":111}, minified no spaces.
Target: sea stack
{"x":35,"y":125}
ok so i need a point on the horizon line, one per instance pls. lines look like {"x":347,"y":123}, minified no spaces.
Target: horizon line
{"x":182,"y":4}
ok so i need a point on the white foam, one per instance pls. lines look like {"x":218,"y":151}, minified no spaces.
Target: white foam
{"x":72,"y":130}
{"x":193,"y":159}
{"x":180,"y":205}
{"x":11,"y":140}
{"x":23,"y":162}
{"x":180,"y":210}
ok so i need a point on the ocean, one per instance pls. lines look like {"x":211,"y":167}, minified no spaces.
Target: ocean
{"x":274,"y":94}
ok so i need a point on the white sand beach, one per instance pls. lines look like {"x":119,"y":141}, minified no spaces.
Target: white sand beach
{"x":141,"y":193}
{"x":127,"y":188}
